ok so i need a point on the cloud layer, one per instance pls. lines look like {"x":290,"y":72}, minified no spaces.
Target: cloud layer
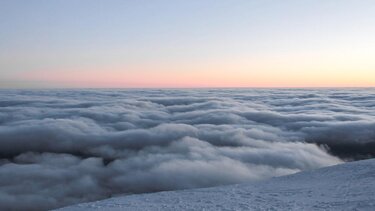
{"x":59,"y":147}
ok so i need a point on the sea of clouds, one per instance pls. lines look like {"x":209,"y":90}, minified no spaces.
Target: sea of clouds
{"x":60,"y":147}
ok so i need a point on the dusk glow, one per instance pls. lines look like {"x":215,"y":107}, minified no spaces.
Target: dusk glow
{"x":114,"y":105}
{"x":115,"y":44}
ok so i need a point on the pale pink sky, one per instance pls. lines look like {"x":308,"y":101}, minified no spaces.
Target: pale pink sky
{"x":211,"y":43}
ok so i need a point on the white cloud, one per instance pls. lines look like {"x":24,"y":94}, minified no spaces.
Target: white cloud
{"x":68,"y":146}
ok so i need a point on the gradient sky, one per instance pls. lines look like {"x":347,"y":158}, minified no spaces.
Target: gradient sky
{"x":180,"y":43}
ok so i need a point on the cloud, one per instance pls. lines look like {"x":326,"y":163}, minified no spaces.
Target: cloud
{"x":60,"y":147}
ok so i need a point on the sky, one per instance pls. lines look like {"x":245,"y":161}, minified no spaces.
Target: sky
{"x":165,"y":44}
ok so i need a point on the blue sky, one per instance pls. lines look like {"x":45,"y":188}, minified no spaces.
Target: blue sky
{"x":217,"y":43}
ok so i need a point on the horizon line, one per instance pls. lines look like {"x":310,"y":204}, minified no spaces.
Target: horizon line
{"x":198,"y":87}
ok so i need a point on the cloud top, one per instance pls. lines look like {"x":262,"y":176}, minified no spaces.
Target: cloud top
{"x":60,"y":147}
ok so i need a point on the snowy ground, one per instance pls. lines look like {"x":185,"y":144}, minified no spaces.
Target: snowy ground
{"x":349,"y":186}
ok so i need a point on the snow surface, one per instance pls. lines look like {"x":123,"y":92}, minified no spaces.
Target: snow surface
{"x":349,"y":186}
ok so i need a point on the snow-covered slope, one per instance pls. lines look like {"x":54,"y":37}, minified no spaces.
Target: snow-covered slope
{"x":349,"y":186}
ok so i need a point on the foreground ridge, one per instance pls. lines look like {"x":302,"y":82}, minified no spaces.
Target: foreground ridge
{"x":348,"y":186}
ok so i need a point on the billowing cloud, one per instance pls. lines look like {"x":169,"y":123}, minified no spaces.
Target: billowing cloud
{"x":60,"y":147}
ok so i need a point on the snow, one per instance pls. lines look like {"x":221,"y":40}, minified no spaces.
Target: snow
{"x":348,"y":186}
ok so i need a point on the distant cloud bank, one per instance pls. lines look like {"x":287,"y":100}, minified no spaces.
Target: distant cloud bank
{"x":60,"y":147}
